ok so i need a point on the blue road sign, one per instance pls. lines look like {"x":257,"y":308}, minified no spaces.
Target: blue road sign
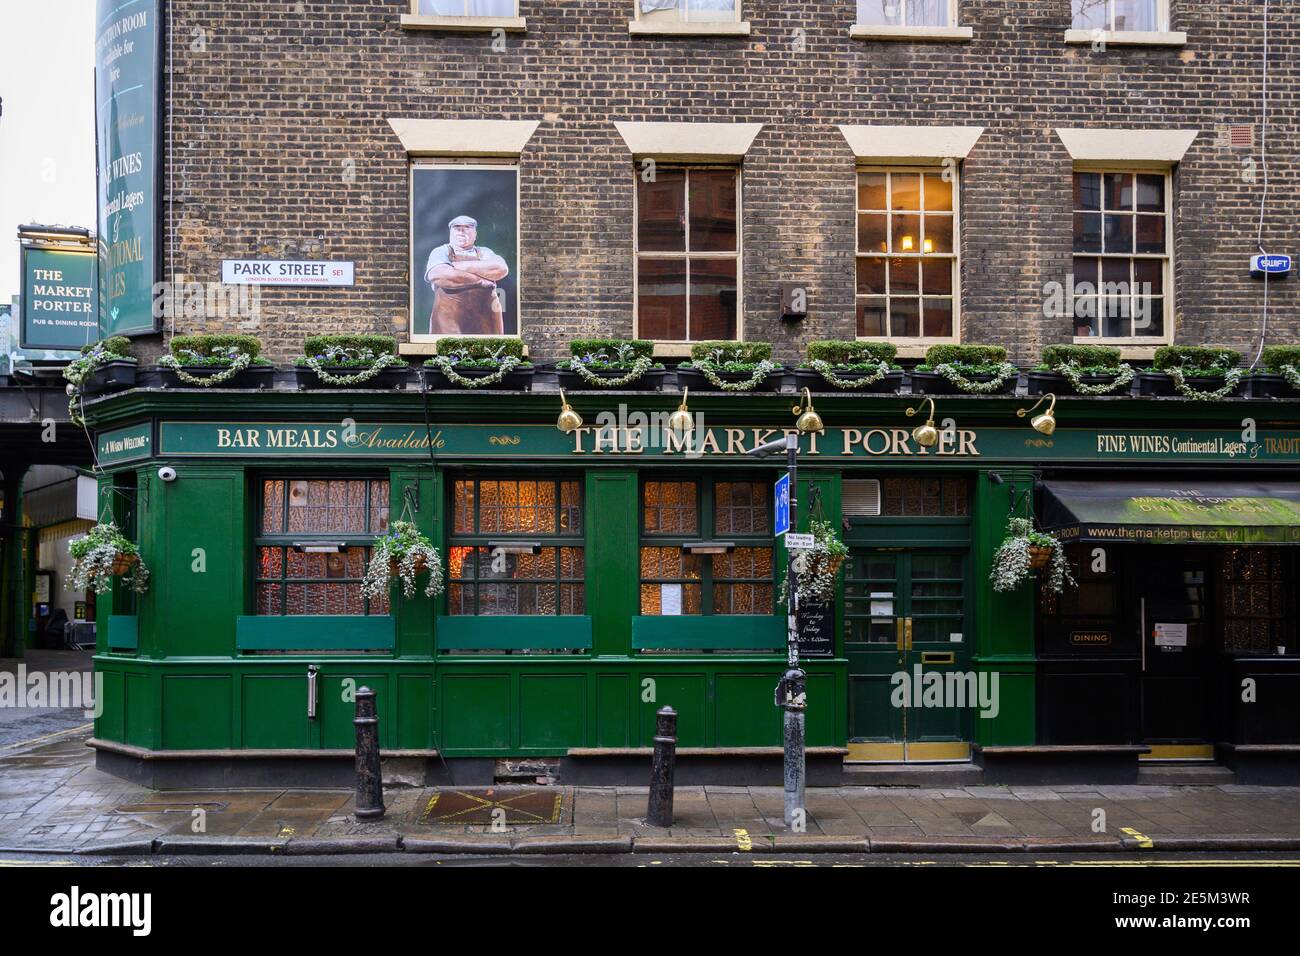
{"x":782,"y":500}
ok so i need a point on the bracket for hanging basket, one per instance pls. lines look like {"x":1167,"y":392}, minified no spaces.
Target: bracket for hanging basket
{"x":1039,"y":556}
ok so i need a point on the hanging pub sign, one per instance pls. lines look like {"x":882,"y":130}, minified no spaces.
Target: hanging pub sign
{"x":464,"y":251}
{"x":58,"y":298}
{"x":127,"y":49}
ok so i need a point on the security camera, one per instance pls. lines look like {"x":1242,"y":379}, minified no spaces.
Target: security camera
{"x":167,"y":473}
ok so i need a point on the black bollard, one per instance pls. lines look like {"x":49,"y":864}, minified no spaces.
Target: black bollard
{"x":370,"y":783}
{"x":660,"y":811}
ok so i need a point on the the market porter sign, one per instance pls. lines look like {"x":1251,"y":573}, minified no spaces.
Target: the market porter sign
{"x":127,"y":42}
{"x":373,"y":440}
{"x":58,"y":299}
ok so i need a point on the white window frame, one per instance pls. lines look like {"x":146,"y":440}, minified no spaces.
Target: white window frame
{"x":415,"y":163}
{"x":415,"y":10}
{"x":465,"y":22}
{"x":683,"y":17}
{"x":911,"y":340}
{"x":953,"y":10}
{"x":1129,"y":341}
{"x":683,"y":345}
{"x":1162,"y":19}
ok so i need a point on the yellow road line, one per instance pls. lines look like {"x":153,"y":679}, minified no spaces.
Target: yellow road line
{"x":1144,"y":841}
{"x":36,"y":740}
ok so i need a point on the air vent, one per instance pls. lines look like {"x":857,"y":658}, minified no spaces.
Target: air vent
{"x":1241,"y":137}
{"x":861,"y":497}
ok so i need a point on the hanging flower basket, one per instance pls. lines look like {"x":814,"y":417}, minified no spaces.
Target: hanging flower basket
{"x":1039,"y":556}
{"x":402,"y":553}
{"x":420,"y":563}
{"x":816,"y":569}
{"x":1025,"y":550}
{"x":103,"y":554}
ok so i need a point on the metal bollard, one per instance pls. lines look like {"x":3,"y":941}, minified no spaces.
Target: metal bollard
{"x":660,"y":811}
{"x":370,"y":783}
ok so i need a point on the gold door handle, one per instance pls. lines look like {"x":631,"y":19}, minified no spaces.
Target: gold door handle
{"x":900,"y":641}
{"x":908,"y":630}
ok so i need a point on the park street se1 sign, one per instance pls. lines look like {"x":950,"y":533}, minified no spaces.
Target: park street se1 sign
{"x":286,"y":272}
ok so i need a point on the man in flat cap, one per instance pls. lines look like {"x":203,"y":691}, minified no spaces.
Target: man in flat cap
{"x":464,"y":279}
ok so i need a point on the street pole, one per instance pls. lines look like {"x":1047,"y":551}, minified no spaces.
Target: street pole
{"x":792,"y":690}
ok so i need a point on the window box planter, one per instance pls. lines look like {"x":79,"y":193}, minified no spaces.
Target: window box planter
{"x":696,"y":382}
{"x":1269,"y":385}
{"x":1161,"y":385}
{"x":932,"y":383}
{"x":112,"y":376}
{"x":1043,"y":383}
{"x":393,"y":377}
{"x":810,"y":379}
{"x":253,"y":377}
{"x":516,"y":380}
{"x":651,"y":381}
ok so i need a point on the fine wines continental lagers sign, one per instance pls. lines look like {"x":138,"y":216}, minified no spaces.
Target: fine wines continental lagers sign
{"x":127,"y":43}
{"x":327,"y":440}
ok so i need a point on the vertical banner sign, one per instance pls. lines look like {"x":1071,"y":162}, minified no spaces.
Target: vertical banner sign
{"x":128,"y":38}
{"x":781,"y":500}
{"x":58,"y":299}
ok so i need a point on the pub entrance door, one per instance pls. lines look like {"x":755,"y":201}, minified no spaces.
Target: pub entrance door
{"x":905,"y":613}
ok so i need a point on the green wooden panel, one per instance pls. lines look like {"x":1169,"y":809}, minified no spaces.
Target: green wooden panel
{"x":688,"y":694}
{"x":415,"y":711}
{"x":872,"y":716}
{"x":747,"y":715}
{"x":414,"y":615}
{"x":514,"y":632}
{"x":110,"y":723}
{"x":614,"y":696}
{"x":307,"y":632}
{"x":274,"y":710}
{"x":123,"y":632}
{"x":337,"y":713}
{"x":823,"y":720}
{"x":698,"y":632}
{"x":612,"y":523}
{"x":141,"y":724}
{"x":1015,"y":724}
{"x":196,"y":712}
{"x":552,"y":711}
{"x":192,"y":529}
{"x":474,"y":712}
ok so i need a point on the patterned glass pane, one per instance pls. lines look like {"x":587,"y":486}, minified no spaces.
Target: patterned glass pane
{"x":741,"y":507}
{"x":270,"y":562}
{"x":570,"y":508}
{"x":687,"y":596}
{"x":744,"y":563}
{"x":272,"y":507}
{"x":463,"y":508}
{"x":268,"y":598}
{"x":742,"y":599}
{"x":670,"y":508}
{"x":378,"y":507}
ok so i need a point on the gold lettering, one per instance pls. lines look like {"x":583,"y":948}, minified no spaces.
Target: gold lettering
{"x":577,"y":439}
{"x":709,"y":440}
{"x":606,"y":440}
{"x":851,"y":437}
{"x":866,"y":442}
{"x":735,"y":441}
{"x":223,"y":437}
{"x":966,"y":444}
{"x":899,"y":444}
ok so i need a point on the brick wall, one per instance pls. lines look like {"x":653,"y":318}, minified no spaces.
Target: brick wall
{"x":282,"y":149}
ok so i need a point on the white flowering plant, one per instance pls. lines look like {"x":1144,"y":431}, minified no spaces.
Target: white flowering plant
{"x":103,"y":554}
{"x":402,"y":553}
{"x":1013,"y":562}
{"x":816,"y":569}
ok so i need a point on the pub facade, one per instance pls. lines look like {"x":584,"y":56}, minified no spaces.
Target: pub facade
{"x":629,"y":209}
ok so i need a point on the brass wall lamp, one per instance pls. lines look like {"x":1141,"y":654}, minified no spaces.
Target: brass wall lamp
{"x":569,"y":420}
{"x":680,"y":421}
{"x":927,"y":436}
{"x":809,"y":420}
{"x":1045,"y":423}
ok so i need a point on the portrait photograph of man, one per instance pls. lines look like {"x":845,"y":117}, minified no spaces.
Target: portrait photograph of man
{"x":464,"y":250}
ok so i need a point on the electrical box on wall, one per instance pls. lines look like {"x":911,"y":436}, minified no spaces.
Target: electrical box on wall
{"x":1273,"y":266}
{"x":794,"y":301}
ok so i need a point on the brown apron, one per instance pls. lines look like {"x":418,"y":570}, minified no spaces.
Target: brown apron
{"x":466,"y":310}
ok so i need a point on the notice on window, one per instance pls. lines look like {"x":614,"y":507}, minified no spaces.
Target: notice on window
{"x":670,"y":599}
{"x":882,"y":603}
{"x":1171,"y":635}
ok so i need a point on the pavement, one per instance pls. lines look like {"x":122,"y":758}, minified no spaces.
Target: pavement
{"x":23,"y":723}
{"x":53,"y":800}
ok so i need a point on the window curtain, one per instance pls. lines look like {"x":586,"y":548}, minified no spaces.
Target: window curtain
{"x":473,"y":8}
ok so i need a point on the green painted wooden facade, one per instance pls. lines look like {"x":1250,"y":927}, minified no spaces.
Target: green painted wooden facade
{"x":179,"y":662}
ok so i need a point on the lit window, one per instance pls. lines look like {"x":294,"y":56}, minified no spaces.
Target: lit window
{"x":907,"y":13}
{"x":296,"y":513}
{"x":1149,"y":16}
{"x":516,"y":547}
{"x":688,"y":11}
{"x":1121,"y":254}
{"x":675,"y":581}
{"x":688,"y":254}
{"x":907,"y":254}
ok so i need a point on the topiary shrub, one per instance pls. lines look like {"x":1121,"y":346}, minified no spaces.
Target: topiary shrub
{"x":1277,"y":357}
{"x":375,"y":344}
{"x":486,"y":347}
{"x":852,"y":353}
{"x":635,"y":348}
{"x":1195,"y":358}
{"x":750,"y":353}
{"x":964,"y":354}
{"x":1084,"y":356}
{"x":207,"y":343}
{"x":118,"y":345}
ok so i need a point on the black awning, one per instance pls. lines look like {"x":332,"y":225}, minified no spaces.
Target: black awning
{"x":1195,"y":512}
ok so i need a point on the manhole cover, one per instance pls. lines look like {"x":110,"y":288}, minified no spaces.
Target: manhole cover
{"x":499,"y":806}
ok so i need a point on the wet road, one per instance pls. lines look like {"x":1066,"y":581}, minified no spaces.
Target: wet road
{"x":19,"y":725}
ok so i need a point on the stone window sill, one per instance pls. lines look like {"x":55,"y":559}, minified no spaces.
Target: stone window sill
{"x":722,"y":28}
{"x":412,"y":21}
{"x":1125,"y":38}
{"x":863,"y":31}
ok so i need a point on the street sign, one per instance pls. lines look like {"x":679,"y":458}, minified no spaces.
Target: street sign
{"x":781,"y":498}
{"x":804,"y":542}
